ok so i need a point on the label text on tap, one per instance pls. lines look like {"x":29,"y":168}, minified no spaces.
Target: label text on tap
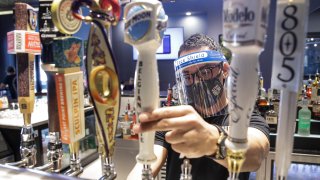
{"x":238,"y":15}
{"x":76,"y":106}
{"x":141,"y":16}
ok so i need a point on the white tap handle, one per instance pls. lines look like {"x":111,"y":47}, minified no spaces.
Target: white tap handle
{"x":147,"y":99}
{"x":287,"y":72}
{"x":144,"y":27}
{"x":242,"y":92}
{"x":244,"y":30}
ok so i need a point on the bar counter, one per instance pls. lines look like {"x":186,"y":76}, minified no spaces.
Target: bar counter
{"x":11,"y":122}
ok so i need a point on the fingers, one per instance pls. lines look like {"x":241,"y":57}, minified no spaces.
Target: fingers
{"x":167,"y":124}
{"x":184,"y":142}
{"x":165,"y":112}
{"x":175,"y":136}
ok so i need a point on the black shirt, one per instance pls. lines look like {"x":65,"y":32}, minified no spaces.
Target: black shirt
{"x":204,"y":168}
{"x":11,"y":81}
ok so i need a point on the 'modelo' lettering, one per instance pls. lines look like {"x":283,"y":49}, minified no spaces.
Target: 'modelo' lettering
{"x":239,"y":15}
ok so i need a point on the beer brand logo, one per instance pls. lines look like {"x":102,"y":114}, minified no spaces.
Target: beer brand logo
{"x":234,"y":105}
{"x":139,"y":17}
{"x":240,"y":14}
{"x":139,"y":85}
{"x":190,"y":57}
{"x":76,"y":107}
{"x":288,"y":41}
{"x":33,"y":16}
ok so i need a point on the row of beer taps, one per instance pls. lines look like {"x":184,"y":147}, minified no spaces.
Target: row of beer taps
{"x":61,"y":60}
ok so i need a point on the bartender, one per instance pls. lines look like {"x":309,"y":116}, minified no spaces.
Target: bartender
{"x":198,"y":129}
{"x":10,"y":81}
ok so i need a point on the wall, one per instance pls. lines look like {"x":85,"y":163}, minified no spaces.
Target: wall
{"x":210,"y":23}
{"x":124,"y":55}
{"x":5,"y":58}
{"x":314,"y":23}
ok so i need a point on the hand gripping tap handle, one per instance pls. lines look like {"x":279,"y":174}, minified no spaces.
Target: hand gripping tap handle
{"x":245,"y":38}
{"x":144,"y":26}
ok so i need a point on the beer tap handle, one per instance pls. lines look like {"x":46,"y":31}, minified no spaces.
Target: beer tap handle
{"x":145,"y":22}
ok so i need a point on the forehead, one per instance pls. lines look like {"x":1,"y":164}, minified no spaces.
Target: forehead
{"x":203,"y":48}
{"x":196,"y":67}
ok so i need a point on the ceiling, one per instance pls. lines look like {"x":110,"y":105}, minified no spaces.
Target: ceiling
{"x":177,"y":7}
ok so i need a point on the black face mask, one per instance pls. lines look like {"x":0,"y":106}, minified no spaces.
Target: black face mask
{"x":205,"y":93}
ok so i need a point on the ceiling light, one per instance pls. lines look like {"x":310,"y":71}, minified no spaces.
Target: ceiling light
{"x":315,"y":45}
{"x":188,"y":13}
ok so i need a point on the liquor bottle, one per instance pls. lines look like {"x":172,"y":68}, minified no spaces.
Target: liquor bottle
{"x":134,"y":121}
{"x":272,"y":119}
{"x":262,"y":101}
{"x":304,"y":119}
{"x":126,"y":126}
{"x":169,"y":96}
{"x":126,"y":116}
{"x":128,"y":106}
{"x":270,"y":95}
{"x":275,"y":100}
{"x":308,"y":87}
{"x":315,"y":87}
{"x":316,"y":107}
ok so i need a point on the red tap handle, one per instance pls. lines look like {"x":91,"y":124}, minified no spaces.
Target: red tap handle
{"x":104,"y":5}
{"x":114,"y":4}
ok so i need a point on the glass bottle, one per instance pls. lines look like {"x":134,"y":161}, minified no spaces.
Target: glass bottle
{"x":134,"y":121}
{"x":304,"y":115}
{"x":262,"y":92}
{"x":275,"y":100}
{"x":314,"y":88}
{"x":272,"y":119}
{"x":308,"y":87}
{"x":169,"y":96}
{"x":316,"y":106}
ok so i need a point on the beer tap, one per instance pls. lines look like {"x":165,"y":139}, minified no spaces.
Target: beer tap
{"x":68,"y":58}
{"x":102,"y":75}
{"x":186,"y":170}
{"x":47,"y":33}
{"x":245,"y":37}
{"x":145,"y":22}
{"x":25,"y":43}
{"x":287,"y":73}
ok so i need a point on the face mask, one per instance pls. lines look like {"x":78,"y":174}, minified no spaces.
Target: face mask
{"x":204,"y":94}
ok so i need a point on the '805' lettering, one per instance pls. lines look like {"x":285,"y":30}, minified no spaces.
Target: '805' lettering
{"x":288,"y":41}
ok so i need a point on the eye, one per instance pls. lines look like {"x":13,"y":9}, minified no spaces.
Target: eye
{"x":205,"y":73}
{"x":187,"y":76}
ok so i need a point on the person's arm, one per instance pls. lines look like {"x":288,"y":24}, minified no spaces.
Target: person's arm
{"x":190,"y":135}
{"x":258,"y":149}
{"x":161,"y":154}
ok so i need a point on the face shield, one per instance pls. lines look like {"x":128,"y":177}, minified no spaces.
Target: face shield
{"x":200,"y":82}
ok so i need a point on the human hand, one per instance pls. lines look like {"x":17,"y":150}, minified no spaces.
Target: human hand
{"x":187,"y":132}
